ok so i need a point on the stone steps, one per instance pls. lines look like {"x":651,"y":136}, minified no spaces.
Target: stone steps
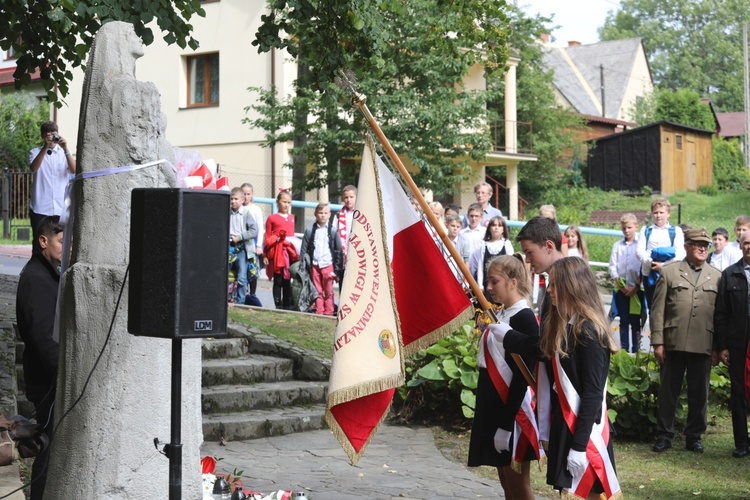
{"x":223,"y":348}
{"x":255,"y":386}
{"x":246,"y":369}
{"x":263,"y":423}
{"x":239,"y":398}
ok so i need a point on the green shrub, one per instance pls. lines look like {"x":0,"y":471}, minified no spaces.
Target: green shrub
{"x":730,"y":173}
{"x":633,"y":390}
{"x":442,"y":378}
{"x":719,"y":382}
{"x":708,"y":190}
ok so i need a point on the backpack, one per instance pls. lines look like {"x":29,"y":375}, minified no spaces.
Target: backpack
{"x":671,"y":229}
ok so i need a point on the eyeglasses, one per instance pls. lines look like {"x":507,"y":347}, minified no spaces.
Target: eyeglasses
{"x":700,"y":246}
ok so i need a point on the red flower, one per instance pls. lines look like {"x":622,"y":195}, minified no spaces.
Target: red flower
{"x":208,"y":465}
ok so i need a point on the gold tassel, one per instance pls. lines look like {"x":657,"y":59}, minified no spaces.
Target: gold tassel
{"x":542,"y":462}
{"x":569,"y":495}
{"x":516,"y":466}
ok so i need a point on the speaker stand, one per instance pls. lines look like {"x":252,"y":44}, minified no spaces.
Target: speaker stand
{"x":175,"y":446}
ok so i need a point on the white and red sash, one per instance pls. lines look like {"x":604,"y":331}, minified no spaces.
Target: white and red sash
{"x":501,"y":374}
{"x":543,"y":404}
{"x":600,"y":466}
{"x":343,"y":229}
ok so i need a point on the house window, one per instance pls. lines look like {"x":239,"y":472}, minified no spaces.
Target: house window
{"x":203,"y":80}
{"x":678,"y":141}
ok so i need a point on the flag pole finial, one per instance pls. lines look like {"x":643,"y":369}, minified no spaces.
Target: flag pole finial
{"x":347,"y":81}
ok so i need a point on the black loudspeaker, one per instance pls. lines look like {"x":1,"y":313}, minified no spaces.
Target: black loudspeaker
{"x":179,"y":251}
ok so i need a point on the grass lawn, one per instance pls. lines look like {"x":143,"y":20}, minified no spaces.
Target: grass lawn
{"x":305,"y":330}
{"x":674,"y":474}
{"x":697,"y":210}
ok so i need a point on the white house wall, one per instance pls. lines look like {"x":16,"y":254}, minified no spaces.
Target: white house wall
{"x":639,"y":85}
{"x":215,"y":131}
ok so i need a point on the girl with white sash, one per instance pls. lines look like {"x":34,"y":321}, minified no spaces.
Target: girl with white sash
{"x":504,"y":432}
{"x":575,"y":347}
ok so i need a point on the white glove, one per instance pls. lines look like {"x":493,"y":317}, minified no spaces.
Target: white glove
{"x":577,"y":462}
{"x":502,"y":440}
{"x":498,"y":330}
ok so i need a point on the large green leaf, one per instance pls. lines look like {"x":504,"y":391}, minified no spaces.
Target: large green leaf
{"x":432,"y":371}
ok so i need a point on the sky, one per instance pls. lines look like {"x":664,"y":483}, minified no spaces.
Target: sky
{"x":577,"y":19}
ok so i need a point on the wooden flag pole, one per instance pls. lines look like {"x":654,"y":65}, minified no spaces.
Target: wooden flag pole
{"x":360,"y":101}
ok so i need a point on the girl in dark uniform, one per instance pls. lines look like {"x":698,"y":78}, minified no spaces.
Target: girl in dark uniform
{"x":576,"y":345}
{"x":498,"y":402}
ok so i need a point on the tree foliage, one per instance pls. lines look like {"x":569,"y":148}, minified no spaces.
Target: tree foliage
{"x":692,"y":44}
{"x":552,"y":131}
{"x":53,"y":37}
{"x":409,"y":59}
{"x":730,"y":172}
{"x":20,"y":113}
{"x":681,"y":106}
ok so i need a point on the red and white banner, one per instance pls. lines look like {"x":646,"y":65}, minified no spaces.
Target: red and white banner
{"x":431,"y":302}
{"x":383,"y":250}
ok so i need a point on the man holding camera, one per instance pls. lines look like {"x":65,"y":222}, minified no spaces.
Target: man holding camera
{"x":51,"y":163}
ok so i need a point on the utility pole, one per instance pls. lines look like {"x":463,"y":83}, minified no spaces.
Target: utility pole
{"x":747,"y":97}
{"x":601,"y":86}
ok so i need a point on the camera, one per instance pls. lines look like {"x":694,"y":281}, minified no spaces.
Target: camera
{"x":55,"y":138}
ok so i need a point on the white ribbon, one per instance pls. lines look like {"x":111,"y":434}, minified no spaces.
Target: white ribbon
{"x":68,"y":220}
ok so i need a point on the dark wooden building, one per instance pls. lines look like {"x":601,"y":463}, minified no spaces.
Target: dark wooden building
{"x":665,"y":156}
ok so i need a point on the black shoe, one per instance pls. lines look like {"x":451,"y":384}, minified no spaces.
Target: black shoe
{"x":661,"y":445}
{"x":695,"y":446}
{"x":740,"y":452}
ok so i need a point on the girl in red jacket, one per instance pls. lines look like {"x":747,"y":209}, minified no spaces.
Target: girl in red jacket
{"x":279,"y":251}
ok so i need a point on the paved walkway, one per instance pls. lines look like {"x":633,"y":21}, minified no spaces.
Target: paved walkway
{"x":400,"y":462}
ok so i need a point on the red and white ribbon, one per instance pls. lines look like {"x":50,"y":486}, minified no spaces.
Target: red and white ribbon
{"x":600,"y":466}
{"x":525,"y":429}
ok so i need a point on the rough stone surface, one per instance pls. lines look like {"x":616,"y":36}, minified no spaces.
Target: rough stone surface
{"x":263,"y":423}
{"x":245,"y":370}
{"x":232,"y":398}
{"x":400,"y":462}
{"x":8,"y":406}
{"x":104,"y":446}
{"x":308,"y":365}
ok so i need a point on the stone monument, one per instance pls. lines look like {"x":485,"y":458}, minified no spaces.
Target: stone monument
{"x":104,"y":444}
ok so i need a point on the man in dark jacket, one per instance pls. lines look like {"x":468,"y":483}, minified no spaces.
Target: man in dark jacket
{"x":731,"y":332}
{"x":35,"y":312}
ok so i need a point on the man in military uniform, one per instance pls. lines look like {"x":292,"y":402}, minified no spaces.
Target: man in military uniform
{"x":682,"y":327}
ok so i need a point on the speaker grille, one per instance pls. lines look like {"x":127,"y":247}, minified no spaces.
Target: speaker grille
{"x":178,"y":263}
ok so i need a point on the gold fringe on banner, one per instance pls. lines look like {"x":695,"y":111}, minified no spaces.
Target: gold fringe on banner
{"x":445,"y":330}
{"x":350,"y":394}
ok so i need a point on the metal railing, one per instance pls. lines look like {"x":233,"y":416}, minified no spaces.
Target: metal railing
{"x":498,"y":136}
{"x":522,"y":202}
{"x":16,"y":194}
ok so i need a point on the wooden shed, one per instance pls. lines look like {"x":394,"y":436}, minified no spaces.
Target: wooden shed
{"x":665,"y":156}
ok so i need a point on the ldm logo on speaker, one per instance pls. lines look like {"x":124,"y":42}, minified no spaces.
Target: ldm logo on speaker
{"x":203,"y":325}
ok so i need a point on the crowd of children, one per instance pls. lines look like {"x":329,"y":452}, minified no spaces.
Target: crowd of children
{"x":273,"y":245}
